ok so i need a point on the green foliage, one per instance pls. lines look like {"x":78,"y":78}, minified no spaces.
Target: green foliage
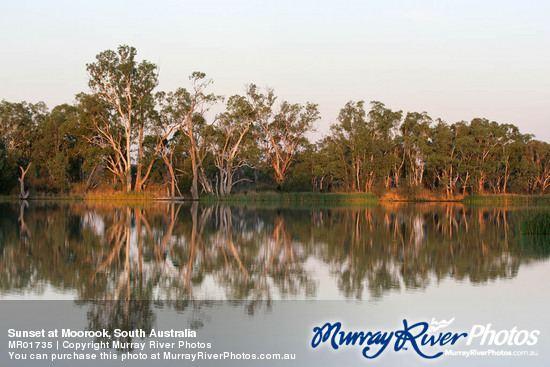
{"x":362,"y":143}
{"x":6,"y":170}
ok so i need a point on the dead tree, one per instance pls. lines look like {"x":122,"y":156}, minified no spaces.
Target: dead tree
{"x":23,"y":194}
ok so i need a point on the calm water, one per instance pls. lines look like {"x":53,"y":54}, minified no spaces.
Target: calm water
{"x":259,"y":279}
{"x":88,"y":251}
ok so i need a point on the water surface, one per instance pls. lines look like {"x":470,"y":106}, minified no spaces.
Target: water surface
{"x":106,"y":251}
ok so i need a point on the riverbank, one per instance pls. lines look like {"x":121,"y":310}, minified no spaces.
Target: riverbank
{"x":304,"y":198}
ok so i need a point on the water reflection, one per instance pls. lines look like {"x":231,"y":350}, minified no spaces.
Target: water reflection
{"x":186,"y":252}
{"x":410,"y":246}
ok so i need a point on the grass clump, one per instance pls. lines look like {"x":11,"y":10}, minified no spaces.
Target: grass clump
{"x":115,"y":195}
{"x":294,"y":198}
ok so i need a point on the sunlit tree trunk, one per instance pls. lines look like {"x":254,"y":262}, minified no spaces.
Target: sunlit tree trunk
{"x":23,"y":194}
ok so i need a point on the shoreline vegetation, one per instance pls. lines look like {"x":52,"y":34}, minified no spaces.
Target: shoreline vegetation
{"x":300,"y":197}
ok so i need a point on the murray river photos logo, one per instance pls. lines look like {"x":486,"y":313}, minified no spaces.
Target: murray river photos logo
{"x":425,"y":339}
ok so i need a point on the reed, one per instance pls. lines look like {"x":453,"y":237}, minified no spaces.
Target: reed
{"x":507,"y":200}
{"x":535,"y":222}
{"x":294,"y":198}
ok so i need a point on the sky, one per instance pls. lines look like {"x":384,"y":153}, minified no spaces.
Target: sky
{"x":456,"y":60}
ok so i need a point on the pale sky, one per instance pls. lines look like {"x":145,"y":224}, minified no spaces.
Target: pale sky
{"x":454,"y":59}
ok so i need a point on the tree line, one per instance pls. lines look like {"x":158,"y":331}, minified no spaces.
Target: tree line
{"x":125,"y":134}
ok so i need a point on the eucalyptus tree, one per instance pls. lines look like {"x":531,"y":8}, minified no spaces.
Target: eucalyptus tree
{"x":336,"y":162}
{"x":443,"y":158}
{"x":18,"y":134}
{"x":465,"y":146}
{"x":382,"y":125}
{"x":58,"y":147}
{"x":284,"y":130}
{"x":415,"y":131}
{"x":18,"y":122}
{"x":145,"y":116}
{"x":350,"y":134}
{"x":367,"y":143}
{"x":538,"y":154}
{"x":167,"y":140}
{"x":331,"y":168}
{"x":23,"y":194}
{"x":187,"y":110}
{"x":18,"y":126}
{"x":486,"y":140}
{"x":510,"y":161}
{"x":123,"y":87}
{"x":489,"y":155}
{"x":234,"y":142}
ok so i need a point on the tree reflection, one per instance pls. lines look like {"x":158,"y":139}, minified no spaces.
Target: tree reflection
{"x":387,"y":248}
{"x":188,"y":252}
